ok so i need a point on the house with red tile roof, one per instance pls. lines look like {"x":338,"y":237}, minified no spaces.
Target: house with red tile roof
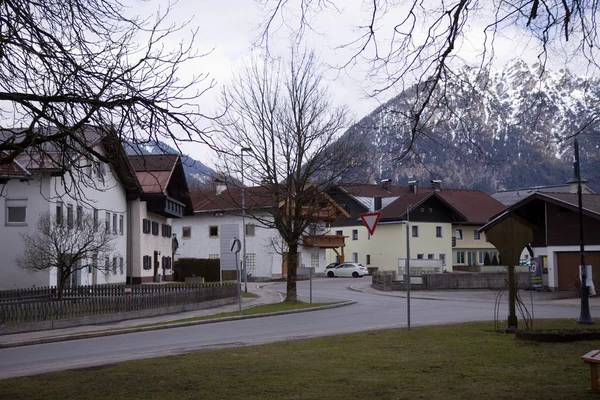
{"x":554,"y":218}
{"x":218,"y":219}
{"x":443,"y":225}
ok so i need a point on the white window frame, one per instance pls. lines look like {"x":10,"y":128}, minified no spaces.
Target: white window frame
{"x":442,"y":257}
{"x":439,"y":232}
{"x":476,"y":235}
{"x":250,"y":229}
{"x":16,"y":203}
{"x":314,"y":260}
{"x":460,"y":257}
{"x":459,"y":234}
{"x":414,"y":231}
{"x":354,"y":257}
{"x":355,"y":235}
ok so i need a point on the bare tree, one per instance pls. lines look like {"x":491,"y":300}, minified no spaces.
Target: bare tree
{"x":66,"y":66}
{"x":282,"y":111}
{"x":421,"y":45}
{"x":67,"y":246}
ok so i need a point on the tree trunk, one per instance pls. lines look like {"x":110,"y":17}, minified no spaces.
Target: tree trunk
{"x":61,"y":286}
{"x":292,"y":264}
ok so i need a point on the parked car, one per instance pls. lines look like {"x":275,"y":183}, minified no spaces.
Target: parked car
{"x":354,"y":270}
{"x":332,"y":265}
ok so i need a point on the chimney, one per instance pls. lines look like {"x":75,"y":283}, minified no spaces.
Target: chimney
{"x":413,"y":185}
{"x":220,"y":186}
{"x":377,"y":206}
{"x":436,"y":185}
{"x":573,"y":185}
{"x":386,"y":184}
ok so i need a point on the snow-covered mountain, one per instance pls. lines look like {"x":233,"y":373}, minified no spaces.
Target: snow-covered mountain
{"x":490,"y":130}
{"x":198,"y":175}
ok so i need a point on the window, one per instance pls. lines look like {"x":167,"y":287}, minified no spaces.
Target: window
{"x":420,"y":256}
{"x":476,"y":234}
{"x":213,"y":231}
{"x":472,"y":258}
{"x":166,"y":230}
{"x":16,"y":211}
{"x":94,"y":262}
{"x":368,"y":260}
{"x":460,"y":257}
{"x":250,"y":229}
{"x":438,"y":231}
{"x":121,"y":224}
{"x":430,"y":256}
{"x":186,"y":232}
{"x":70,"y":215}
{"x":115,"y":224}
{"x":216,"y":256}
{"x":339,"y":233}
{"x":146,"y":225}
{"x":106,"y":264}
{"x":443,"y":258}
{"x":354,"y":234}
{"x":250,"y":260}
{"x":121,"y":265}
{"x":422,"y":209}
{"x":154,"y":228}
{"x":114,"y":265}
{"x":107,"y":222}
{"x":459,"y":234}
{"x":59,"y":213}
{"x":355,"y":257}
{"x":147,"y":262}
{"x":314,"y":260}
{"x":415,"y":231}
{"x":79,"y":215}
{"x":96,"y":223}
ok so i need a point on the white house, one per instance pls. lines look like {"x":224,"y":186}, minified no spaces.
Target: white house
{"x":218,"y":219}
{"x":44,"y":185}
{"x":134,"y":197}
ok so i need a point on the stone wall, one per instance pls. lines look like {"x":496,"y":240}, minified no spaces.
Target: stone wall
{"x":388,"y":280}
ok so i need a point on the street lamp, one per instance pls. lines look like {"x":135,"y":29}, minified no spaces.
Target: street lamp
{"x":407,"y":268}
{"x":242,"y":150}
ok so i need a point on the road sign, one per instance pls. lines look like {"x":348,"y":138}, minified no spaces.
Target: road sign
{"x":235,"y":245}
{"x":370,"y":220}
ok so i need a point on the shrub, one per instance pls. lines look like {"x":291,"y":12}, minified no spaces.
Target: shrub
{"x":487,"y":260}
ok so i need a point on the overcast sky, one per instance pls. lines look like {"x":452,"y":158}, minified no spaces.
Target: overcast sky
{"x":227,"y":29}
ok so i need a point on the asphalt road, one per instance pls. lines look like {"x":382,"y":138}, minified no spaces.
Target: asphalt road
{"x":372,"y":311}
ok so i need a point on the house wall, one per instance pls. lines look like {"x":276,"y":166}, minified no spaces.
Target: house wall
{"x":263,"y":249}
{"x":11,"y":243}
{"x":553,"y":267}
{"x":106,"y":194}
{"x":145,"y":244}
{"x":563,"y":227}
{"x":470,"y":244}
{"x":388,"y":244}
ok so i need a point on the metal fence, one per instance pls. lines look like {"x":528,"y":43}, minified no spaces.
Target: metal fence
{"x":98,"y":300}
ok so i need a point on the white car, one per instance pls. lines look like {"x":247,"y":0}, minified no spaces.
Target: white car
{"x":354,"y":270}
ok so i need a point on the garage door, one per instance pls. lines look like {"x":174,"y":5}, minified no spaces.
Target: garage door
{"x":568,"y":269}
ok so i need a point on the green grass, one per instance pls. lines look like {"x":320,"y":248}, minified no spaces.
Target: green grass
{"x":248,"y":295}
{"x":466,"y":361}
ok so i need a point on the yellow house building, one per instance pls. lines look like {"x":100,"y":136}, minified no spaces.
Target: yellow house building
{"x":442,"y":225}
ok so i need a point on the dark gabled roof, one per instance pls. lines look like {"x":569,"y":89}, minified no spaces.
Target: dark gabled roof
{"x":207,"y":200}
{"x":154,"y":171}
{"x":372,"y":190}
{"x":473,"y":206}
{"x":476,"y":206}
{"x":13,"y":170}
{"x":510,"y":197}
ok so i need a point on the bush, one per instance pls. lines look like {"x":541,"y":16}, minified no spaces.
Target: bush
{"x":487,"y":260}
{"x":209,"y":269}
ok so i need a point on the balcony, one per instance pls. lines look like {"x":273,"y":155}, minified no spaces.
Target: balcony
{"x":166,"y":206}
{"x":325,"y":241}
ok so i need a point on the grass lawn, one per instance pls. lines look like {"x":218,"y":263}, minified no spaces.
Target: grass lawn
{"x":466,"y":361}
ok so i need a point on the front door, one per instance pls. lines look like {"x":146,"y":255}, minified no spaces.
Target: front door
{"x":155,"y":263}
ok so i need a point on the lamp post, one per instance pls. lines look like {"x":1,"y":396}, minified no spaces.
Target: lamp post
{"x":249,"y":150}
{"x":407,"y":268}
{"x":584,"y":317}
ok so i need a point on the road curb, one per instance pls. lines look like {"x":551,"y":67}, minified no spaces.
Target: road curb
{"x":97,"y":334}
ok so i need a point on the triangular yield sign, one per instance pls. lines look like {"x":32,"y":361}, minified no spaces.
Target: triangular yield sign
{"x":370,"y":220}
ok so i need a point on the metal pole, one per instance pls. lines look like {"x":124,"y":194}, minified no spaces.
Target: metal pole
{"x":584,"y":316}
{"x":407,"y":279}
{"x":244,"y":222}
{"x":239,"y":283}
{"x":310,"y":279}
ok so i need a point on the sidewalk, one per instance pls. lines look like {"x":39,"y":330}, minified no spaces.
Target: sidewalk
{"x":265,"y":296}
{"x":566,"y":299}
